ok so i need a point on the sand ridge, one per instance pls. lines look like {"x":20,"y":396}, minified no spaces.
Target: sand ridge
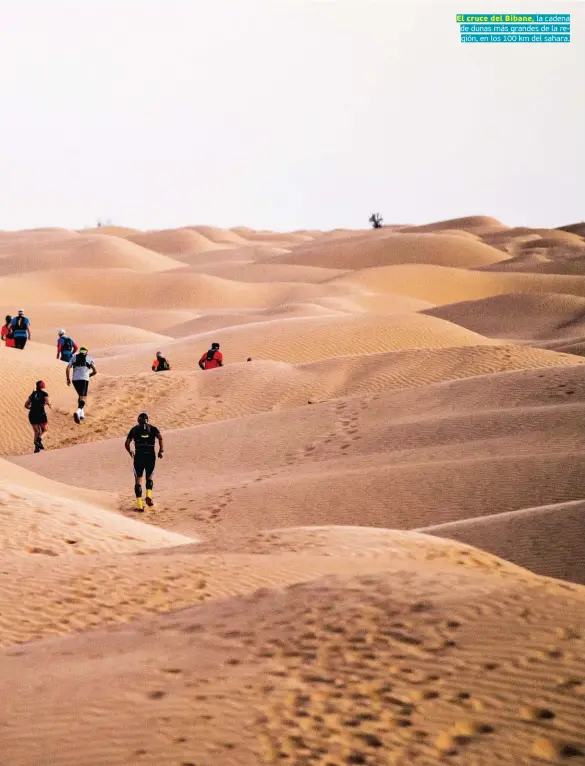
{"x":53,"y":315}
{"x":183,"y":398}
{"x":391,"y":249}
{"x":173,"y":289}
{"x":82,"y":251}
{"x":474,"y":224}
{"x":366,"y":544}
{"x":444,"y":285}
{"x":435,"y":448}
{"x":103,"y":335}
{"x":173,"y":241}
{"x":302,"y":673}
{"x":310,"y":338}
{"x":517,"y":536}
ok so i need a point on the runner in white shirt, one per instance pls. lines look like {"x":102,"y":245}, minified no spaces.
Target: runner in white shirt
{"x":83,"y":369}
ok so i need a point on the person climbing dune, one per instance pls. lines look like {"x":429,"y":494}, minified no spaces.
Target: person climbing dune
{"x":144,"y":435}
{"x":212,"y":358}
{"x":160,"y":363}
{"x":20,"y":329}
{"x":6,"y":333}
{"x":83,"y":369}
{"x":66,"y":347}
{"x":37,"y":414}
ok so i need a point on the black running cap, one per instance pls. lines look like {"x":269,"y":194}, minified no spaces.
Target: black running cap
{"x":143,"y":416}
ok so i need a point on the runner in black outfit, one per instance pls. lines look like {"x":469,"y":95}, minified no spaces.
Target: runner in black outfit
{"x":144,"y":436}
{"x":37,"y":414}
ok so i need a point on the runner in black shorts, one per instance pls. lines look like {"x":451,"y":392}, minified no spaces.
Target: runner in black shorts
{"x":37,"y":414}
{"x":83,"y":369}
{"x":144,"y":437}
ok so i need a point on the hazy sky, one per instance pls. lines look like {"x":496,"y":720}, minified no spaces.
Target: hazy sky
{"x":283,"y":115}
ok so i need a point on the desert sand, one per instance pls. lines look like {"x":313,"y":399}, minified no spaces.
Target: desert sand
{"x":367,"y":544}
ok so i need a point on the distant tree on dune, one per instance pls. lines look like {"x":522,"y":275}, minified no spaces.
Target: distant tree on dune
{"x":376,"y":220}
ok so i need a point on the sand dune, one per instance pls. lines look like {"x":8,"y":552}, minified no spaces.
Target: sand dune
{"x":382,"y":249}
{"x":383,"y":304}
{"x":177,"y":289}
{"x":519,"y":315}
{"x":268,"y":272}
{"x":236,"y":255}
{"x":19,"y":372}
{"x":556,"y":236}
{"x":566,"y":346}
{"x":173,"y":241}
{"x":574,"y":228}
{"x":10,"y":239}
{"x":190,"y":575}
{"x":475,"y":224}
{"x":30,"y":481}
{"x":534,"y":265}
{"x":116,"y":231}
{"x":518,"y":241}
{"x":303,"y":589}
{"x":181,"y":399}
{"x":413,"y":368}
{"x":330,"y":668}
{"x":452,"y":233}
{"x":219,"y":235}
{"x":442,"y":284}
{"x":306,"y":339}
{"x":553,"y":243}
{"x":563,"y":259}
{"x":509,"y":240}
{"x":211,"y":320}
{"x":54,"y":315}
{"x":92,"y":251}
{"x":252,"y":235}
{"x":443,"y":453}
{"x":52,"y":524}
{"x":103,"y":336}
{"x":141,"y":588}
{"x":539,"y":251}
{"x":518,"y":537}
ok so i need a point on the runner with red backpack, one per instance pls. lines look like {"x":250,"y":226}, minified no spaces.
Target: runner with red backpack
{"x":212,"y":358}
{"x":6,"y":333}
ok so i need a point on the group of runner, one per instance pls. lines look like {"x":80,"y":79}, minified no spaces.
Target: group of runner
{"x":209,"y":360}
{"x":80,"y":368}
{"x":16,"y":330}
{"x":144,"y":435}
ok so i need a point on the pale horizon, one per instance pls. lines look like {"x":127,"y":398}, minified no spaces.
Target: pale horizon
{"x":279,"y":116}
